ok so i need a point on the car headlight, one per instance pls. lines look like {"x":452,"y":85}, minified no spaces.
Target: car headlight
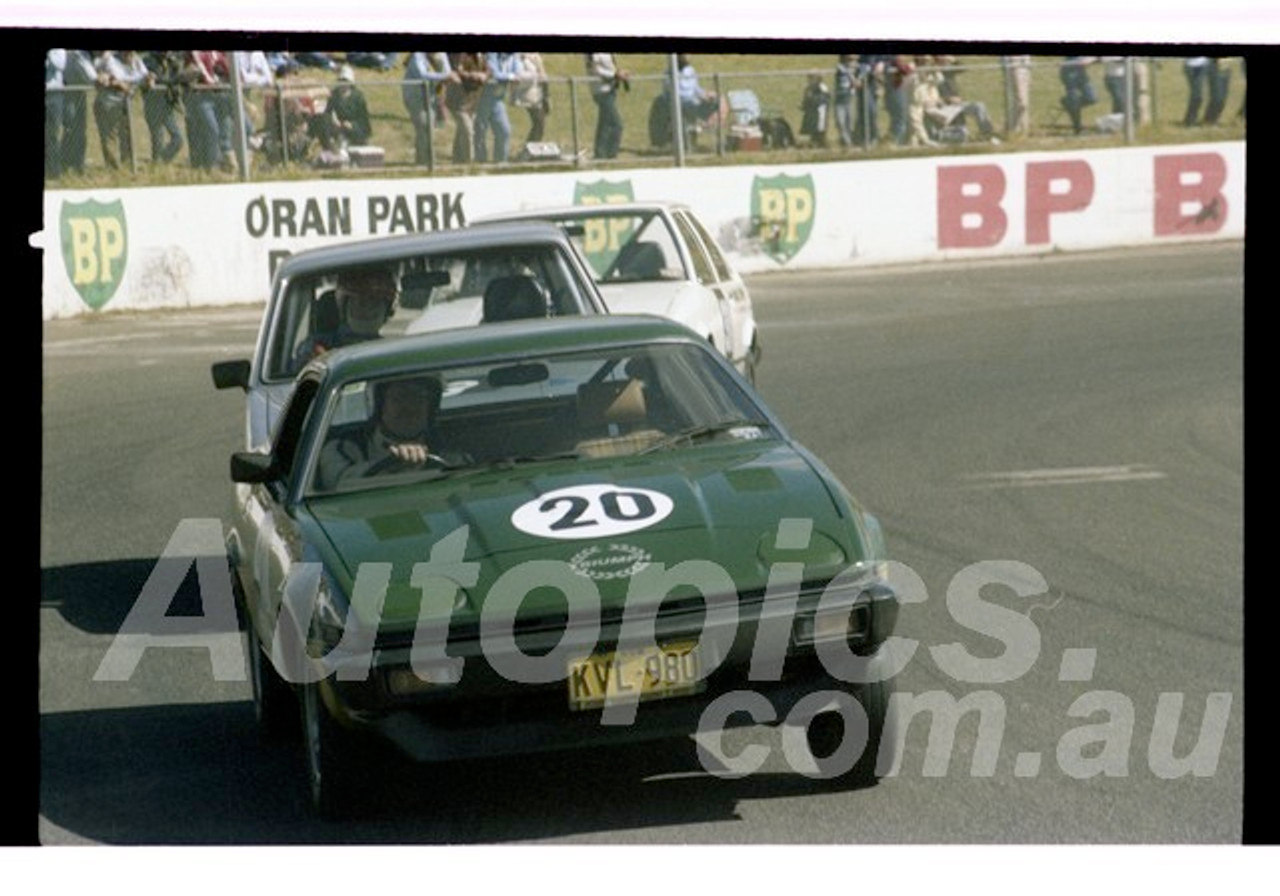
{"x":847,"y":609}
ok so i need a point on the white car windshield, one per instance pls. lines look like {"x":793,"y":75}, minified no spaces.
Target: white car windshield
{"x":328,"y":309}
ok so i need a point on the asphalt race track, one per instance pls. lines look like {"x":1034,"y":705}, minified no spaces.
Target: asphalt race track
{"x":1068,"y":430}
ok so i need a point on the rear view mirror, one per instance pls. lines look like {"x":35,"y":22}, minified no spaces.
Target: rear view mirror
{"x":228,"y":374}
{"x":518,"y":375}
{"x":416,"y":286}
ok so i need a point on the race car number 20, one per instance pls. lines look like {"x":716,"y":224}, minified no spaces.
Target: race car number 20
{"x":591,"y":511}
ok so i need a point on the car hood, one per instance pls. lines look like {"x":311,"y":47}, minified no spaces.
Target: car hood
{"x":663,"y":298}
{"x":718,"y":504}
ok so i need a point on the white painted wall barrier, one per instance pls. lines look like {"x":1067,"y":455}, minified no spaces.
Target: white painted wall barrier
{"x":176,"y":247}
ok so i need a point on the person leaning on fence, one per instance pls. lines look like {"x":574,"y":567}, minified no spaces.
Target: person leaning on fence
{"x":491,"y":111}
{"x":162,"y":104}
{"x":203,"y":83}
{"x":608,"y":79}
{"x":78,"y":76}
{"x":424,"y":77}
{"x":845,"y":86}
{"x":532,"y":93}
{"x":55,"y":63}
{"x":119,"y":77}
{"x":1205,"y":74}
{"x":462,"y":97}
{"x":1079,"y":92}
{"x":899,"y":79}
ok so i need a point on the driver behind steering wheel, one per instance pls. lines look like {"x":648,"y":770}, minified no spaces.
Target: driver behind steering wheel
{"x":398,"y":436}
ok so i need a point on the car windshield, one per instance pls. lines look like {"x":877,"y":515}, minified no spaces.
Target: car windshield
{"x":343,"y":305}
{"x":626,"y":246}
{"x":455,"y":421}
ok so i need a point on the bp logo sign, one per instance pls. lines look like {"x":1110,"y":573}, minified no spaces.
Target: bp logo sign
{"x":782,"y":214}
{"x":603,"y":237}
{"x":95,"y":245}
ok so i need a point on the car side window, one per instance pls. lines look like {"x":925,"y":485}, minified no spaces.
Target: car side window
{"x":701,"y":265}
{"x":288,"y":437}
{"x":713,"y":251}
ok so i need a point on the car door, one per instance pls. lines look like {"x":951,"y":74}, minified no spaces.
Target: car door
{"x":732,"y":292}
{"x":707,"y":275}
{"x":267,"y":530}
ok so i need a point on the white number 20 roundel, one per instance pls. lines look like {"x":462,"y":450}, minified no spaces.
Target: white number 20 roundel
{"x":591,"y":511}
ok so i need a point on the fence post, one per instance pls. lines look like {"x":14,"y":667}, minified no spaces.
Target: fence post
{"x":429,"y":109}
{"x":573,"y":122}
{"x":677,"y":113}
{"x":720,"y":104}
{"x":1130,"y":100}
{"x":241,"y":145}
{"x":128,"y":131}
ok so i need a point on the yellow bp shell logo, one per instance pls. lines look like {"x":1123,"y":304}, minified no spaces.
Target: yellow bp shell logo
{"x":95,"y":244}
{"x":782,"y":214}
{"x":603,"y":237}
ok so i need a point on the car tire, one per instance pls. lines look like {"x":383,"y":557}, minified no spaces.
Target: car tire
{"x":332,"y":759}
{"x":273,"y":699}
{"x":826,"y":732}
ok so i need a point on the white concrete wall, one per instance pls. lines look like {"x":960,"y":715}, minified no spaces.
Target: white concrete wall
{"x":165,"y":247}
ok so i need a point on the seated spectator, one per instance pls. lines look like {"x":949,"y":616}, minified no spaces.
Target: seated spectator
{"x":381,"y":61}
{"x":943,"y":112}
{"x":345,"y":120}
{"x":317,"y":60}
{"x":696,"y":104}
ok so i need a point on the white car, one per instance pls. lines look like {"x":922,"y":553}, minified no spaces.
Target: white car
{"x":658,"y":258}
{"x":443,"y":280}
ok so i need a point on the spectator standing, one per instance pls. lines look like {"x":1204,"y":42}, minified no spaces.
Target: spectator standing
{"x":898,"y":79}
{"x":813,"y":110}
{"x":79,"y":75}
{"x":845,"y":86}
{"x":462,"y":96}
{"x":345,"y":120}
{"x":608,"y":78}
{"x":55,"y":63}
{"x":203,"y":106}
{"x":255,"y":75}
{"x":1114,"y":79}
{"x":162,"y":103}
{"x":119,"y":76}
{"x":1018,"y":70}
{"x":1205,"y":74}
{"x":870,"y":74}
{"x":425,"y":75}
{"x":532,"y":93}
{"x":491,"y":111}
{"x":1079,"y":92}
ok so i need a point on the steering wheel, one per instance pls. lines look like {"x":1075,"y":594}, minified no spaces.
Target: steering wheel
{"x":393,"y":464}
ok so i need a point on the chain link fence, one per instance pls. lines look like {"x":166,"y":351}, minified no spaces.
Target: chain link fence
{"x":920,"y":104}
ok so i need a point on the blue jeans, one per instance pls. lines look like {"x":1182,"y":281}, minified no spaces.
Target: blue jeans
{"x":492,"y":111}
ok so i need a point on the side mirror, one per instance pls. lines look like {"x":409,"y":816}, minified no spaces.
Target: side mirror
{"x":228,"y":374}
{"x":251,"y":466}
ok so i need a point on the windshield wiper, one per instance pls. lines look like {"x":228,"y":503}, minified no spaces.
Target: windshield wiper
{"x":702,"y":431}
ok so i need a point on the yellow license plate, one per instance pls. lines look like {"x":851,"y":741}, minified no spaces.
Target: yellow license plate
{"x":649,"y":674}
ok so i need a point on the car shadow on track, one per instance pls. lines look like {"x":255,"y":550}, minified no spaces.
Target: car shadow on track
{"x":97,"y":597}
{"x":200,"y":774}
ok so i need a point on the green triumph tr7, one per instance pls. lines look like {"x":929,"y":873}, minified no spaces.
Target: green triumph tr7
{"x":552,"y":534}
